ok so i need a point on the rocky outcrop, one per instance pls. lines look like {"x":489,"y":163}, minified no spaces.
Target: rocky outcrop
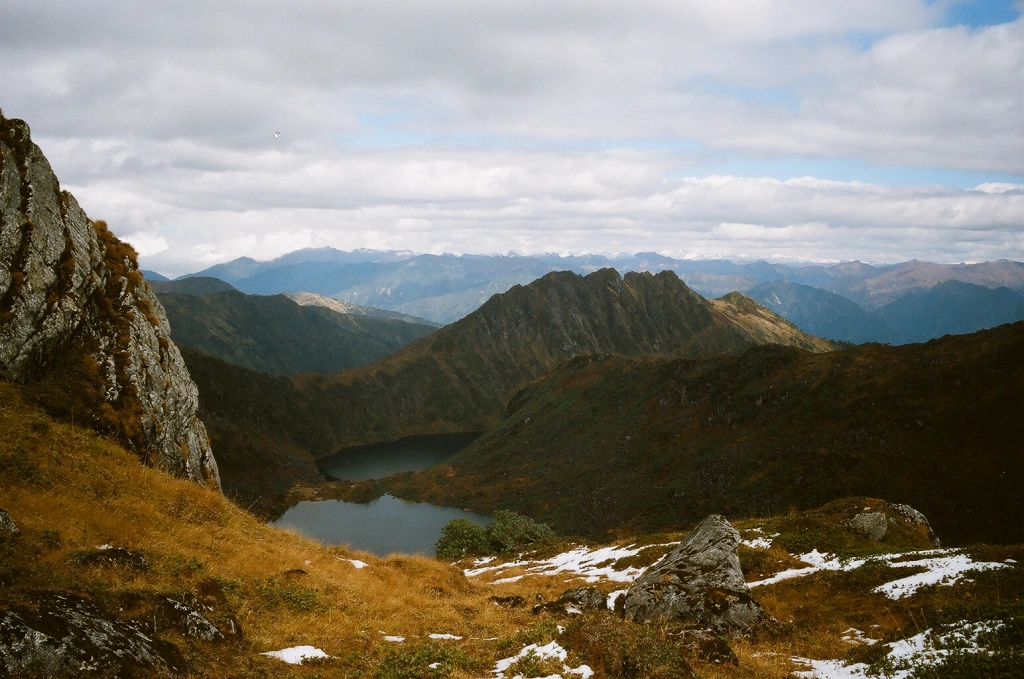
{"x":63,"y":635}
{"x":7,"y":525}
{"x":574,"y":602}
{"x":700,"y":584}
{"x":872,"y":525}
{"x":80,"y":327}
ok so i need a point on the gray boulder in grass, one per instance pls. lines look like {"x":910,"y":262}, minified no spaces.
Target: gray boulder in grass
{"x":699,"y":584}
{"x":7,"y":525}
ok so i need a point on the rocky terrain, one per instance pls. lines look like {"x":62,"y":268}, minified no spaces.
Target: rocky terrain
{"x":607,"y":442}
{"x":80,"y":327}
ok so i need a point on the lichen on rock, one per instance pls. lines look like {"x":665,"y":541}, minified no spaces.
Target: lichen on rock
{"x":79,"y":325}
{"x":699,"y":583}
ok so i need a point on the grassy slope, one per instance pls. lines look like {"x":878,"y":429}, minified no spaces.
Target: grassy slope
{"x":608,"y":442}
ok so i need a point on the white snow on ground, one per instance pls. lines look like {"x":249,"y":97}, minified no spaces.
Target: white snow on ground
{"x":926,"y":648}
{"x":552,"y":650}
{"x":296,"y":654}
{"x":591,"y":565}
{"x":856,"y":637}
{"x":943,"y":570}
{"x":614,"y":596}
{"x":356,"y":562}
{"x":817,"y":561}
{"x":450,"y":637}
{"x":394,"y":638}
{"x":757,"y":543}
{"x":942,"y":567}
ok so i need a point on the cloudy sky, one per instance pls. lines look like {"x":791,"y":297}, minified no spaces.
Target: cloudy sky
{"x":879,"y":130}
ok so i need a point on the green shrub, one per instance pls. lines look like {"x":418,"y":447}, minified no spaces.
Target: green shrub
{"x":461,"y":538}
{"x":510,"y":531}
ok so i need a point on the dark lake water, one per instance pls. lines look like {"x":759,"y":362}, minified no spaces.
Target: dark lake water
{"x":386,"y":525}
{"x":378,"y":460}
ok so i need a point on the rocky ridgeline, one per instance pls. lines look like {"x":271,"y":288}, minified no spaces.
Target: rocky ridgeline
{"x":80,"y":327}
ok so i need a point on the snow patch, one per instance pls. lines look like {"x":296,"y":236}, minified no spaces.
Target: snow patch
{"x":942,"y":567}
{"x":296,"y":654}
{"x":451,"y":637}
{"x":613,"y":597}
{"x":355,"y":562}
{"x":551,"y":651}
{"x":590,"y":564}
{"x":925,"y":649}
{"x":946,"y":570}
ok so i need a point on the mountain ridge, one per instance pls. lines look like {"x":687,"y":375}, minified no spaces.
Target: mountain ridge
{"x":605,"y":442}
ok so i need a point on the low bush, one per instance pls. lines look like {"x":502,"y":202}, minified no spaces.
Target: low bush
{"x":508,"y":532}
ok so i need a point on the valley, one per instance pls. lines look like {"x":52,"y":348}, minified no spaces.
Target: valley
{"x":673,"y":484}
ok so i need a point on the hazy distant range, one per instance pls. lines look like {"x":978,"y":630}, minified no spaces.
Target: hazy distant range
{"x":852,"y":301}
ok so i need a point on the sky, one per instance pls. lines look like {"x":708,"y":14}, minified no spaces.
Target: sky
{"x":786,"y":130}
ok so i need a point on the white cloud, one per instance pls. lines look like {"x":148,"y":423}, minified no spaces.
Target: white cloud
{"x":538,"y":125}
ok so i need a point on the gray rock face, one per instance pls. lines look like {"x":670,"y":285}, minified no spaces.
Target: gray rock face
{"x":700,"y":584}
{"x":574,"y":602}
{"x":7,"y":525}
{"x":73,"y":305}
{"x":873,"y":525}
{"x":911,"y":515}
{"x":66,"y":635}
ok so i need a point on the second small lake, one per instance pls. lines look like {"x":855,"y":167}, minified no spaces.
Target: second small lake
{"x":383,"y":526}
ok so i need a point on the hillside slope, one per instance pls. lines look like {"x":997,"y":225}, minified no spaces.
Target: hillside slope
{"x":609,"y":442}
{"x":276,"y":335}
{"x":201,"y":589}
{"x":460,"y":378}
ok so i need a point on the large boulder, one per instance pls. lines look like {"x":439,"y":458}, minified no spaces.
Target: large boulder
{"x":699,"y":584}
{"x":63,"y":635}
{"x":80,"y":326}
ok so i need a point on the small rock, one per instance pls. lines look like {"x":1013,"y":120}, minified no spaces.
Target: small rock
{"x":911,"y":515}
{"x":187,"y":620}
{"x":707,"y":646}
{"x":7,"y":525}
{"x":112,"y":556}
{"x":574,"y":602}
{"x":872,"y":525}
{"x":699,"y":583}
{"x":514,"y":601}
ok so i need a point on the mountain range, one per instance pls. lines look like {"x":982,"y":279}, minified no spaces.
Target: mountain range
{"x":948,"y":308}
{"x":459,"y":378}
{"x":444,"y":288}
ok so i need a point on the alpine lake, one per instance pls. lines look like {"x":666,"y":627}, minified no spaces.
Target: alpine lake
{"x":387,"y":525}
